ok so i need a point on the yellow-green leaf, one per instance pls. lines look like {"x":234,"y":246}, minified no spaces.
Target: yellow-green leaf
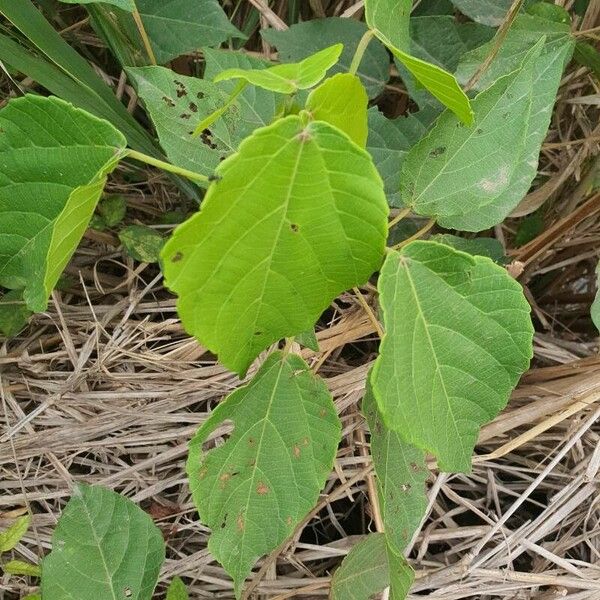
{"x":10,"y":537}
{"x":342,"y":101}
{"x":20,"y":567}
{"x":291,"y":77}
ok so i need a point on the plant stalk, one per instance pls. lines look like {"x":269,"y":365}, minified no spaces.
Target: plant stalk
{"x":360,"y":51}
{"x":165,"y":166}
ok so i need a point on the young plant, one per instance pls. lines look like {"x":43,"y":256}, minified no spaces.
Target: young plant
{"x":296,"y":213}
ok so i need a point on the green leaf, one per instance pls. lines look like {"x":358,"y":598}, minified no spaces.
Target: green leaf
{"x":388,"y":142}
{"x":112,"y":210}
{"x":179,"y":26}
{"x":257,"y":106}
{"x":175,"y":104}
{"x":472,"y":178}
{"x":127,"y":5}
{"x":587,"y":56}
{"x":529,"y":228}
{"x":303,"y":39}
{"x":104,"y":546}
{"x":32,"y":597}
{"x":45,"y":211}
{"x":389,"y":21}
{"x":342,"y":102}
{"x":479,"y":246}
{"x":10,"y":537}
{"x":291,"y":77}
{"x":177,"y":590}
{"x":142,"y":243}
{"x":14,"y":313}
{"x":256,"y":487}
{"x":369,"y":568}
{"x":525,"y":32}
{"x":550,"y":11}
{"x":487,"y":12}
{"x":401,"y":475}
{"x":308,"y":339}
{"x":20,"y":567}
{"x":458,"y":336}
{"x":297,"y":216}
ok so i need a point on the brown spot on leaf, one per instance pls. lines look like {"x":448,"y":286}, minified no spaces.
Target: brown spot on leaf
{"x":297,"y":451}
{"x":240,"y":522}
{"x":405,"y":487}
{"x":306,"y":441}
{"x":203,"y":472}
{"x":262,"y":488}
{"x":168,"y":101}
{"x":200,"y":95}
{"x":289,"y":521}
{"x":193,"y":107}
{"x":206,"y":137}
{"x":304,"y":136}
{"x":176,"y":257}
{"x":294,"y":227}
{"x":437,"y":151}
{"x":181,"y":91}
{"x":251,"y":441}
{"x":185,"y":116}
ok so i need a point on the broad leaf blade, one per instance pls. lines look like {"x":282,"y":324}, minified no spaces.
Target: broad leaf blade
{"x":175,"y":104}
{"x":342,"y":102}
{"x":370,"y":567}
{"x":302,"y":39}
{"x":179,"y":26}
{"x":487,"y":12}
{"x":389,"y":20}
{"x":458,"y":337}
{"x":104,"y":546}
{"x":291,"y":77}
{"x":401,"y":475}
{"x":460,"y":175}
{"x":177,"y":590}
{"x":297,"y":216}
{"x":256,"y":487}
{"x":390,"y":140}
{"x":44,"y":212}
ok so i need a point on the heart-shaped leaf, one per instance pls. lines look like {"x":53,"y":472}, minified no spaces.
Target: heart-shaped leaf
{"x":297,"y":216}
{"x":458,"y":335}
{"x":55,"y":159}
{"x":257,"y":486}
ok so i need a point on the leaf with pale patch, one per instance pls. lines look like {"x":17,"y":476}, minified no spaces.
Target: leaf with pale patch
{"x":256,"y":487}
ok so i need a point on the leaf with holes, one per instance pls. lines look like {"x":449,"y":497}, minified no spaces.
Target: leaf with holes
{"x":472,"y":178}
{"x":175,"y":104}
{"x":302,"y":39}
{"x":55,"y":159}
{"x":458,"y":335}
{"x":389,"y":21}
{"x":297,"y":216}
{"x":104,"y":546}
{"x":342,"y":102}
{"x":291,"y":77}
{"x":368,"y":569}
{"x":256,"y":487}
{"x":401,"y":475}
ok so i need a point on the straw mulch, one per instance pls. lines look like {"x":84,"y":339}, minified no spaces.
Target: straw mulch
{"x":107,"y":388}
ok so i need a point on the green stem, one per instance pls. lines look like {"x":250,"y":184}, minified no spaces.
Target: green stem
{"x":217,"y":114}
{"x":360,"y":50}
{"x":165,"y":166}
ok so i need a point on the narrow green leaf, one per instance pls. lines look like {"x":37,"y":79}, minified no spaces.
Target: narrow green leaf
{"x":10,"y":537}
{"x":175,"y":104}
{"x":104,"y":546}
{"x":291,"y":77}
{"x":308,"y":339}
{"x":401,"y":475}
{"x":342,"y":102}
{"x":45,"y":211}
{"x":14,"y":313}
{"x":142,"y":243}
{"x":369,"y":568}
{"x":471,"y":178}
{"x":303,"y":39}
{"x":20,"y":567}
{"x":297,"y":216}
{"x":389,"y":19}
{"x":458,"y":337}
{"x":257,"y":486}
{"x":127,"y":5}
{"x":177,"y":590}
{"x":389,"y":141}
{"x":179,"y":26}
